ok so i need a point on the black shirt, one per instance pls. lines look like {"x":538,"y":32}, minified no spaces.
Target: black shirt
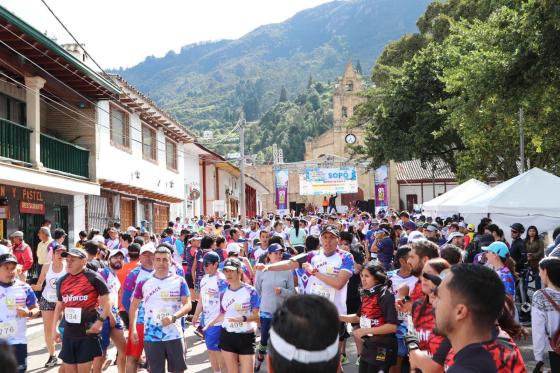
{"x":473,"y":358}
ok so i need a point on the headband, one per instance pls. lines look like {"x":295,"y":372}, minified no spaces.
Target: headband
{"x":291,"y":353}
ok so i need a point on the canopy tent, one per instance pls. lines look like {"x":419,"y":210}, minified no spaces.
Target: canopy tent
{"x":531,"y":198}
{"x":448,"y":203}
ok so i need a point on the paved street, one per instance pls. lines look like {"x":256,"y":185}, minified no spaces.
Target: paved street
{"x":197,"y":358}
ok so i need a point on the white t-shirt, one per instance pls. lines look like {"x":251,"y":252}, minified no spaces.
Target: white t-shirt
{"x":211,"y":288}
{"x":113,"y":284}
{"x":13,"y":327}
{"x":397,"y":281}
{"x":259,"y":252}
{"x":49,"y":292}
{"x":238,"y":303}
{"x":331,"y":265}
{"x":162,"y":298}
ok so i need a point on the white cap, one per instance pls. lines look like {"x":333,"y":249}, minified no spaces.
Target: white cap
{"x":233,"y":248}
{"x":98,"y":239}
{"x":149,"y":247}
{"x":114,"y":252}
{"x":453,"y":235}
{"x":131,"y":229}
{"x":415,"y":236}
{"x":4,"y":250}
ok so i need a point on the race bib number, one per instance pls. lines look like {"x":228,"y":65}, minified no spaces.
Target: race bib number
{"x":162,"y":314}
{"x":8,"y":329}
{"x":322,"y":291}
{"x":236,"y":326}
{"x":73,"y":315}
{"x":365,"y":322}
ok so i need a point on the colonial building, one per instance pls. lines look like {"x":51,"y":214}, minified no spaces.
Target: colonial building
{"x":48,"y":128}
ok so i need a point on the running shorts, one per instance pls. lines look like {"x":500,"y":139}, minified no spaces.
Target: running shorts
{"x":238,"y":343}
{"x":212,"y":338}
{"x":173,"y":351}
{"x":79,"y":350}
{"x":45,"y":305}
{"x":135,"y":349}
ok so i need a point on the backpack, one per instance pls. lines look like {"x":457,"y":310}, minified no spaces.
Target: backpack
{"x":555,"y":338}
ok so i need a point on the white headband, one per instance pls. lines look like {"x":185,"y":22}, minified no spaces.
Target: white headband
{"x":291,"y":353}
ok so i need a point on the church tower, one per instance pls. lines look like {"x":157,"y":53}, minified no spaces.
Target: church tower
{"x":345,"y":96}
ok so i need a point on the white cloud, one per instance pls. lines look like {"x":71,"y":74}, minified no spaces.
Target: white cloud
{"x":123,"y":32}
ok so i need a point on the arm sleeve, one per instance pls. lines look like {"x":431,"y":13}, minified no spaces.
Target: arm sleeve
{"x":538,"y":321}
{"x":138,"y":290}
{"x":387,"y":303}
{"x":184,"y":292}
{"x":128,"y":290}
{"x":30,"y":299}
{"x":347,"y":263}
{"x":255,"y":299}
{"x":98,"y":283}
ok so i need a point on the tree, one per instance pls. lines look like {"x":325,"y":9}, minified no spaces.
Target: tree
{"x":283,"y":94}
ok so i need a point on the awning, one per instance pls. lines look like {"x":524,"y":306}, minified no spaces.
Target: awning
{"x":27,"y":177}
{"x":140,"y":192}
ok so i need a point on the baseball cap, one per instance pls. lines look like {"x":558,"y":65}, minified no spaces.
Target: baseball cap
{"x":409,"y":225}
{"x":499,"y":248}
{"x":17,"y":234}
{"x":7,"y":258}
{"x":210,"y":258}
{"x":4,"y":250}
{"x":232,"y":264}
{"x":78,"y":253}
{"x":233,"y":248}
{"x":415,"y":236}
{"x":329,"y":228}
{"x":114,"y":252}
{"x":148,"y":248}
{"x":470,"y":227}
{"x":431,"y":228}
{"x":98,"y":239}
{"x":196,"y":238}
{"x":274,"y":248}
{"x":453,"y":235}
{"x":131,"y":229}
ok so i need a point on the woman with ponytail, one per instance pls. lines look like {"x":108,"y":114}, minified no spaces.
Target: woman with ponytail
{"x":377,"y":317}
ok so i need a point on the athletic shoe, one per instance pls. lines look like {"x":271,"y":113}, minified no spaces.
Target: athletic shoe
{"x":358,"y":361}
{"x":345,"y":359}
{"x":51,"y":362}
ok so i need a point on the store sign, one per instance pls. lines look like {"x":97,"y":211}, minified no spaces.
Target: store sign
{"x":31,"y":202}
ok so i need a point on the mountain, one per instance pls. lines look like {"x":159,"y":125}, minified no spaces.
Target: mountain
{"x":206,"y":84}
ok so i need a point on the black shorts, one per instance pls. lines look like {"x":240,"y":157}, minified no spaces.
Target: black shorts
{"x":238,"y":343}
{"x":79,"y":350}
{"x":189,"y":279}
{"x":45,"y":305}
{"x":342,"y":332}
{"x":158,"y":352}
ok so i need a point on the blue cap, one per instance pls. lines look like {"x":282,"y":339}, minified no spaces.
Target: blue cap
{"x":211,"y":257}
{"x":274,"y":248}
{"x":499,"y":248}
{"x":241,"y":240}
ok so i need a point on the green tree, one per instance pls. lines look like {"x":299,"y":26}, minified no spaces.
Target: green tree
{"x":283,"y":94}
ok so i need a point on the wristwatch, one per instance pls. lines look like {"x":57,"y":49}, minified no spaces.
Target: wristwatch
{"x":173,"y":318}
{"x":30,"y":314}
{"x":244,"y":318}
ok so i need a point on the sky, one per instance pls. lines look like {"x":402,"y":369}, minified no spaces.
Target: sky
{"x":121,"y":33}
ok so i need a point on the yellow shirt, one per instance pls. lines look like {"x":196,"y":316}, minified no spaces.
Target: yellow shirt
{"x":42,"y":251}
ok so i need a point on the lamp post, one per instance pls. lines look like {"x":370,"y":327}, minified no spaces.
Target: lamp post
{"x":242,"y":208}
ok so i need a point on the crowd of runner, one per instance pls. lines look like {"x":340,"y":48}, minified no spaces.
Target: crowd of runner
{"x":414,"y":294}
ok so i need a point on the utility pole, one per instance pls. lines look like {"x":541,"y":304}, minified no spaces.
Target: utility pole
{"x":521,"y":140}
{"x":242,"y":210}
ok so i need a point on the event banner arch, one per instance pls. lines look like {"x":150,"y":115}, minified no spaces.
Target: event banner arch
{"x":320,"y":181}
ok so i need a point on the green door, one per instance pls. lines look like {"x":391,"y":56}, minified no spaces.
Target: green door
{"x":30,"y":224}
{"x":61,"y":220}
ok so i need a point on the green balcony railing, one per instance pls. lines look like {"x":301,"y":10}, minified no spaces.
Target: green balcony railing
{"x":63,"y":156}
{"x":14,"y":141}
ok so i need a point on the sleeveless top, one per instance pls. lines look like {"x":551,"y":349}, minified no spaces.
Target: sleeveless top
{"x":49,"y":292}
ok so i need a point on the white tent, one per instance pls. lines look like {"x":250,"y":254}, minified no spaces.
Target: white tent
{"x":531,"y":198}
{"x":448,"y":203}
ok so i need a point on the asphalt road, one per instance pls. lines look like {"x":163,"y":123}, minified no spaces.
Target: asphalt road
{"x":197,"y":358}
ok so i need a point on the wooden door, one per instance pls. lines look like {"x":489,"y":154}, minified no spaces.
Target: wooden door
{"x":161,"y":217}
{"x":127,"y":213}
{"x":411,"y":200}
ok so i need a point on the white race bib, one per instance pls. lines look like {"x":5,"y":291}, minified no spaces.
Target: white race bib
{"x":365,"y":322}
{"x":73,"y":315}
{"x":162,"y":314}
{"x":236,"y":326}
{"x":322,"y":290}
{"x":8,"y":329}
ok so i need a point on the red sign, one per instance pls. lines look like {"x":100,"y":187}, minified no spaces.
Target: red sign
{"x":31,"y":208}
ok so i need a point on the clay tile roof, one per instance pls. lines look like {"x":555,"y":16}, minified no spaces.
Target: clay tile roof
{"x":413,"y":170}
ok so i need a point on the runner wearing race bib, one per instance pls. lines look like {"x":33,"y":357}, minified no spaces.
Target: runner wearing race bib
{"x":80,"y":292}
{"x":212,"y":286}
{"x":239,"y":313}
{"x":17,"y":304}
{"x":166,"y":299}
{"x":113,"y":327}
{"x":137,"y":275}
{"x":50,"y":273}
